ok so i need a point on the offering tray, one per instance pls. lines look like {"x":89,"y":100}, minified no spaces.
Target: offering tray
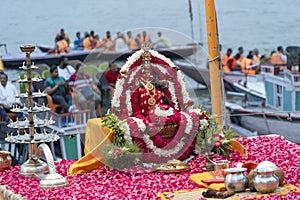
{"x":38,"y":138}
{"x":173,"y":166}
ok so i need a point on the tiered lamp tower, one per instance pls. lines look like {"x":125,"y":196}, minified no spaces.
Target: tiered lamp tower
{"x":34,"y":166}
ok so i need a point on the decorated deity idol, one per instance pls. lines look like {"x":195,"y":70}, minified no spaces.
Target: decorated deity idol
{"x":152,"y":101}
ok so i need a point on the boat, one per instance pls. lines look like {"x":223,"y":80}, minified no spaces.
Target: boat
{"x":279,"y":114}
{"x":250,"y":87}
{"x":198,"y":73}
{"x":16,"y":60}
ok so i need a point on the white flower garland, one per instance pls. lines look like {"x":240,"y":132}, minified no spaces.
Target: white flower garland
{"x":174,"y":98}
{"x":184,"y":92}
{"x":128,"y":102}
{"x":118,"y":91}
{"x":134,"y":57}
{"x":164,"y":113}
{"x":162,"y":57}
{"x":162,"y":152}
{"x":189,"y":124}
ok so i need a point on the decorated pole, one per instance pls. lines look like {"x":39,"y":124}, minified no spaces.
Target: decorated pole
{"x":214,"y":59}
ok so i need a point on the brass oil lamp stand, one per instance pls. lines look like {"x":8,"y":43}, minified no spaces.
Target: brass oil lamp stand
{"x":34,"y":166}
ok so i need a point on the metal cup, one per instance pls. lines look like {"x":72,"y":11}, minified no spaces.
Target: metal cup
{"x":221,"y":164}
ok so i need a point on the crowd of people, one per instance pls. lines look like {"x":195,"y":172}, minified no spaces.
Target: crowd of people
{"x":120,"y":43}
{"x":66,"y":82}
{"x":250,"y":64}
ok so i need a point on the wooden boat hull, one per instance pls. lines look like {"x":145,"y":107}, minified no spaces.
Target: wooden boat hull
{"x":16,"y":60}
{"x":266,"y":121}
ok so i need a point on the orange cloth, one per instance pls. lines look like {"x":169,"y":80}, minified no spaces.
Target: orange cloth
{"x":246,"y":63}
{"x":276,"y":60}
{"x":219,"y":174}
{"x":87,"y":43}
{"x":236,"y":146}
{"x":62,"y":46}
{"x":229,"y":63}
{"x":96,"y":137}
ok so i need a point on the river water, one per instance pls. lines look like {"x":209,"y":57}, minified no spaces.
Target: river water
{"x":262,"y":24}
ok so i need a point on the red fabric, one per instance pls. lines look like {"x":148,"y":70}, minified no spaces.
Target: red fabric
{"x":111,"y":78}
{"x":139,"y":101}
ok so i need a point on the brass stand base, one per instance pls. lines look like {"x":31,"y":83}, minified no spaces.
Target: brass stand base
{"x":48,"y":181}
{"x":32,"y":167}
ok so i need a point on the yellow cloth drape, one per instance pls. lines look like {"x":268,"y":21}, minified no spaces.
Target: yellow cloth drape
{"x":96,"y":136}
{"x":197,"y":178}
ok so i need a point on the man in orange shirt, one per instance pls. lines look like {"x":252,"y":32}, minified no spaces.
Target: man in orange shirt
{"x":279,"y":58}
{"x":228,"y":61}
{"x":87,"y":43}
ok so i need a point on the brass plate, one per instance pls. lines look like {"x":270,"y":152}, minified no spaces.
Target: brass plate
{"x":169,"y":168}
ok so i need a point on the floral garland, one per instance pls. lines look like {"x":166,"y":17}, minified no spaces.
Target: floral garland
{"x":165,"y":70}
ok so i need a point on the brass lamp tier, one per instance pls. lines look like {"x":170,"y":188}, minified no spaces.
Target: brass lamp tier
{"x":28,"y":48}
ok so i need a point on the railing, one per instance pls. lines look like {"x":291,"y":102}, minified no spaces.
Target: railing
{"x":269,"y":69}
{"x":75,"y":125}
{"x":294,"y":77}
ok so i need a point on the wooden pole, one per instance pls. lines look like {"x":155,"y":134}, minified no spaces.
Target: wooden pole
{"x":214,"y":59}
